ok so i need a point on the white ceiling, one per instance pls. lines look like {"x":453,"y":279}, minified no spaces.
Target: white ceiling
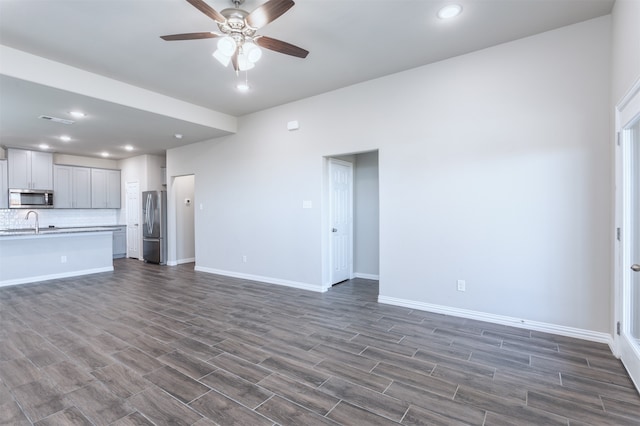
{"x":350,"y":41}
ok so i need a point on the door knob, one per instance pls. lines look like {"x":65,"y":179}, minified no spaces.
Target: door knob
{"x":635,"y":267}
{"x":334,"y":229}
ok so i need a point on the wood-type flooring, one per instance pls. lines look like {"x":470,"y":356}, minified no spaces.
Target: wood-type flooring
{"x":149,"y":344}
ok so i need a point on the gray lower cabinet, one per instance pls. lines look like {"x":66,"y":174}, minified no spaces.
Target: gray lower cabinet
{"x":120,"y":242}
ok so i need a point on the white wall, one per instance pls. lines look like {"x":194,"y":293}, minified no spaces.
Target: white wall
{"x":76,"y":160}
{"x":626,"y":47}
{"x":366,"y":214}
{"x":155,"y":163}
{"x":144,"y":169}
{"x":184,"y":187}
{"x":494,"y":168}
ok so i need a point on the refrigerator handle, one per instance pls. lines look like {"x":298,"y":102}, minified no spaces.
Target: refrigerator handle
{"x":148,"y":215}
{"x":152,"y":213}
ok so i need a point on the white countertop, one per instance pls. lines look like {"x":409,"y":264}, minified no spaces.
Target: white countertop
{"x":56,"y":230}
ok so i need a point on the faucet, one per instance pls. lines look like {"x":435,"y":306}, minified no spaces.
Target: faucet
{"x":37,"y":224}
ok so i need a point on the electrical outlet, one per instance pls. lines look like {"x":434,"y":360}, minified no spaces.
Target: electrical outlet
{"x":462,"y":285}
{"x":244,"y":259}
{"x":63,"y":259}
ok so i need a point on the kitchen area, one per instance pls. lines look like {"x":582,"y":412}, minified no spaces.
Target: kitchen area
{"x":66,"y":215}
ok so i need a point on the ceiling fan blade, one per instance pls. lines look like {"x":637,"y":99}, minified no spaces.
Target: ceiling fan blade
{"x":280,"y":46}
{"x":189,"y":36}
{"x":270,"y":11}
{"x":208,"y":10}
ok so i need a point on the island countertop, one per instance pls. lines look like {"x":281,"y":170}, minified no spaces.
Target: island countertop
{"x":31,"y":232}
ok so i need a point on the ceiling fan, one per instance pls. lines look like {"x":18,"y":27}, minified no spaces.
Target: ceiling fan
{"x":238,"y":42}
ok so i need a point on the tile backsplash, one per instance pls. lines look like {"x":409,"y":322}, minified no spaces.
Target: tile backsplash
{"x":15,"y":218}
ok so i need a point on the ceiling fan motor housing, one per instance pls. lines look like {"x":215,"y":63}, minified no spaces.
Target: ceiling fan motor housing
{"x":235,"y":24}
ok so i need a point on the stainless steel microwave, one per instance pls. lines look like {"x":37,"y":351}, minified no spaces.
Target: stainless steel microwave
{"x":30,"y":199}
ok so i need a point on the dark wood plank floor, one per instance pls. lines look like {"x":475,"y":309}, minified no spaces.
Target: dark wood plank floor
{"x":166,"y":345}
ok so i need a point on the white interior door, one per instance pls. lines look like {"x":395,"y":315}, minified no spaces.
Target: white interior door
{"x":628,"y":206}
{"x":133,"y":219}
{"x":341,"y":220}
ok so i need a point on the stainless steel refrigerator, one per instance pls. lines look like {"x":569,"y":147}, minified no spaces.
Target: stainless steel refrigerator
{"x":154,"y":230}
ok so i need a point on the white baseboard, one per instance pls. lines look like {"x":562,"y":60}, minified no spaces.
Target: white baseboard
{"x":188,"y":260}
{"x":269,"y":280}
{"x":366,"y":276}
{"x":561,"y":330}
{"x":55,"y":276}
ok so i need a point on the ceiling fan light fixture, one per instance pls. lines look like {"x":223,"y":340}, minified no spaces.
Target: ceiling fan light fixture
{"x":236,"y":41}
{"x":227,"y":46}
{"x":244,"y":64}
{"x":222,"y":58}
{"x":251,"y":51}
{"x":450,"y":11}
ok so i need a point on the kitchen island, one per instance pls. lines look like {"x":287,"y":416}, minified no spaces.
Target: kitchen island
{"x":27,"y":256}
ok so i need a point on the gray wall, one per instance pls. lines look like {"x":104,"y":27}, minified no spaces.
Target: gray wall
{"x":494,"y":167}
{"x":184,"y":187}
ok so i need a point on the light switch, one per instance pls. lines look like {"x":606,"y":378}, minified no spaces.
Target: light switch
{"x":307,"y":204}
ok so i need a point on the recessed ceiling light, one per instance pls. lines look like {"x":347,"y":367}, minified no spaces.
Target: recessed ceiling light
{"x":450,"y":11}
{"x":77,"y":114}
{"x":43,"y":146}
{"x":104,"y":154}
{"x":128,"y":148}
{"x":65,"y":138}
{"x":177,"y":136}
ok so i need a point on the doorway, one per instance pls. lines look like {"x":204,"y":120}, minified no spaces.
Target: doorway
{"x":628,"y":223}
{"x":132,"y":190}
{"x":352,"y":206}
{"x":184,"y":190}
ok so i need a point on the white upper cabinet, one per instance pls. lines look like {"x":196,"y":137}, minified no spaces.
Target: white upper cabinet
{"x":71,"y":187}
{"x":62,"y":188}
{"x":113,"y":189}
{"x":105,"y":189}
{"x":30,"y":169}
{"x":81,"y":185}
